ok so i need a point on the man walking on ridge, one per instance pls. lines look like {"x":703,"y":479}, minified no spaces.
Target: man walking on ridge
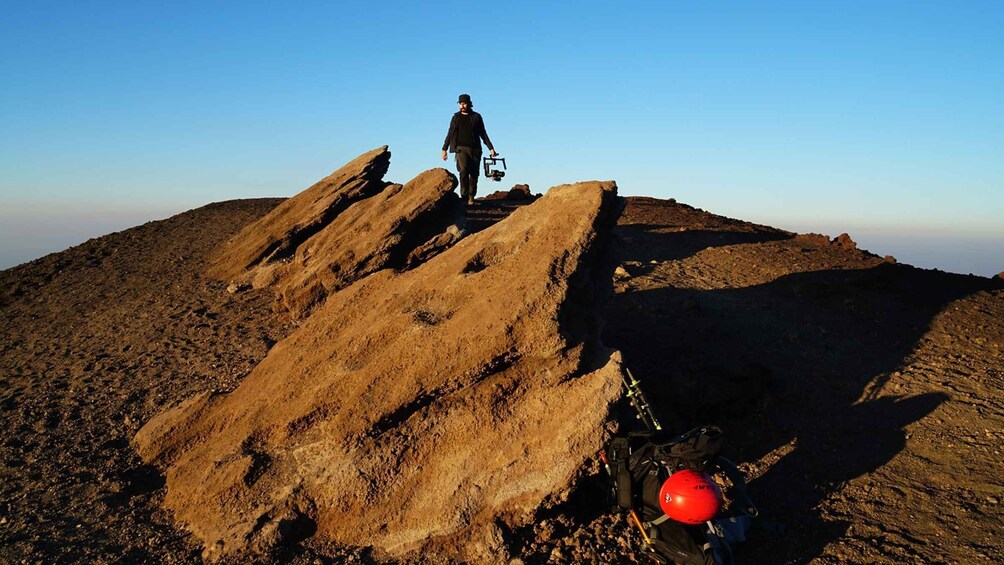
{"x":467,"y":129}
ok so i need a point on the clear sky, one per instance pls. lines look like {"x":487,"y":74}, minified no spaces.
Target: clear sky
{"x":882,"y":119}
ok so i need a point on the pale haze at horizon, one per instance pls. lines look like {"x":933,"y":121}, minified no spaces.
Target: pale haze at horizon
{"x":883,"y":120}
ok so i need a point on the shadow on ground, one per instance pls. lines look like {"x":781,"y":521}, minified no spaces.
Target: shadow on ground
{"x":782,"y":361}
{"x":486,"y":213}
{"x":645,"y":242}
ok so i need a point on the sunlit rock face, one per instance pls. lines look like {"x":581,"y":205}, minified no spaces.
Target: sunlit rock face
{"x":344,"y":227}
{"x":413,"y":409}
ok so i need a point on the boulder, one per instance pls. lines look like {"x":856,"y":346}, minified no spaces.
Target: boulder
{"x":520,"y":192}
{"x":378,"y":232}
{"x":277,"y":234}
{"x":346,"y":226}
{"x":517,"y":192}
{"x":435,"y":246}
{"x":844,"y":241}
{"x":419,"y":410}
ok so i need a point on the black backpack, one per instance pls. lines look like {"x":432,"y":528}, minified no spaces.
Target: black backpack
{"x":640,"y":462}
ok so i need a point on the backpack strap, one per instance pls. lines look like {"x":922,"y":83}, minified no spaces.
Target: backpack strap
{"x":619,"y":453}
{"x":656,"y":522}
{"x":738,"y":490}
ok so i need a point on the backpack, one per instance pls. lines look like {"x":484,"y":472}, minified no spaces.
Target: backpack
{"x":638,"y":464}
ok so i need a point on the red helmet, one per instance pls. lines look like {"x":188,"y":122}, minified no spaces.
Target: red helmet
{"x":690,"y":497}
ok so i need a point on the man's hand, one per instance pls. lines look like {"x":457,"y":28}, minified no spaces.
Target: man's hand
{"x":493,"y":153}
{"x":444,"y":154}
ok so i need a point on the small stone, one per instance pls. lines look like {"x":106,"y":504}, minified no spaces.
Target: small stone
{"x":620,"y":273}
{"x":993,"y":500}
{"x":233,"y":288}
{"x":545,"y":531}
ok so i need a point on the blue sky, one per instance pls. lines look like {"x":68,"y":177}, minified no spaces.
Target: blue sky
{"x":883,"y":119}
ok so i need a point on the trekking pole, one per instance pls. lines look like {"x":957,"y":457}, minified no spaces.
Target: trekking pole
{"x":640,"y":403}
{"x":647,"y":416}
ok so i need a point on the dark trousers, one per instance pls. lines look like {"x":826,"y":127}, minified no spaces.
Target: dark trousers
{"x":468,"y":166}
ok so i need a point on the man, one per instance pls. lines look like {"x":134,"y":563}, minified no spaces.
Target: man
{"x":467,"y":129}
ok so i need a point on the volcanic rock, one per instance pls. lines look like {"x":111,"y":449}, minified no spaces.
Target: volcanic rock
{"x":385,"y":230}
{"x":517,"y":192}
{"x":844,"y":241}
{"x":277,"y":235}
{"x":434,"y":246}
{"x":413,"y":410}
{"x":520,"y":192}
{"x":813,"y":239}
{"x":343,"y":228}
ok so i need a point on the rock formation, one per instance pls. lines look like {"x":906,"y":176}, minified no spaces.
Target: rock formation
{"x":379,"y":232}
{"x":343,"y":228}
{"x":517,"y":192}
{"x":413,"y":409}
{"x":277,"y":235}
{"x":844,"y":241}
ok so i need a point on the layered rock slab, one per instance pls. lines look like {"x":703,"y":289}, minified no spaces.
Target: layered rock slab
{"x":382,"y":231}
{"x":343,"y":228}
{"x":417,"y":408}
{"x":277,"y":234}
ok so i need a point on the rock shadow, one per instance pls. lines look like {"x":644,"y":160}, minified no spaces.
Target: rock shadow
{"x":486,"y":213}
{"x":788,"y":360}
{"x":648,"y":242}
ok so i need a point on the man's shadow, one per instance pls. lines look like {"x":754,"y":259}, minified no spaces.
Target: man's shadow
{"x":786,"y":360}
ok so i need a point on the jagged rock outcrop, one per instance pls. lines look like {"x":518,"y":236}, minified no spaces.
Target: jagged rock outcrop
{"x":343,"y":228}
{"x":517,"y":192}
{"x":413,"y":409}
{"x":383,"y":231}
{"x":277,"y":235}
{"x":844,"y":241}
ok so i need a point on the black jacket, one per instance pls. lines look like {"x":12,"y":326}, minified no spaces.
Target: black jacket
{"x":479,"y":132}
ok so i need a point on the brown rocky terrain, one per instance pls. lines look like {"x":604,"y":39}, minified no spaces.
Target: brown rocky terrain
{"x":412,"y":407}
{"x":346,"y":226}
{"x":863,"y":398}
{"x":277,"y":235}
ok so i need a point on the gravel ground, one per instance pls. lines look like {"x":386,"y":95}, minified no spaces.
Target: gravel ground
{"x":863,"y":398}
